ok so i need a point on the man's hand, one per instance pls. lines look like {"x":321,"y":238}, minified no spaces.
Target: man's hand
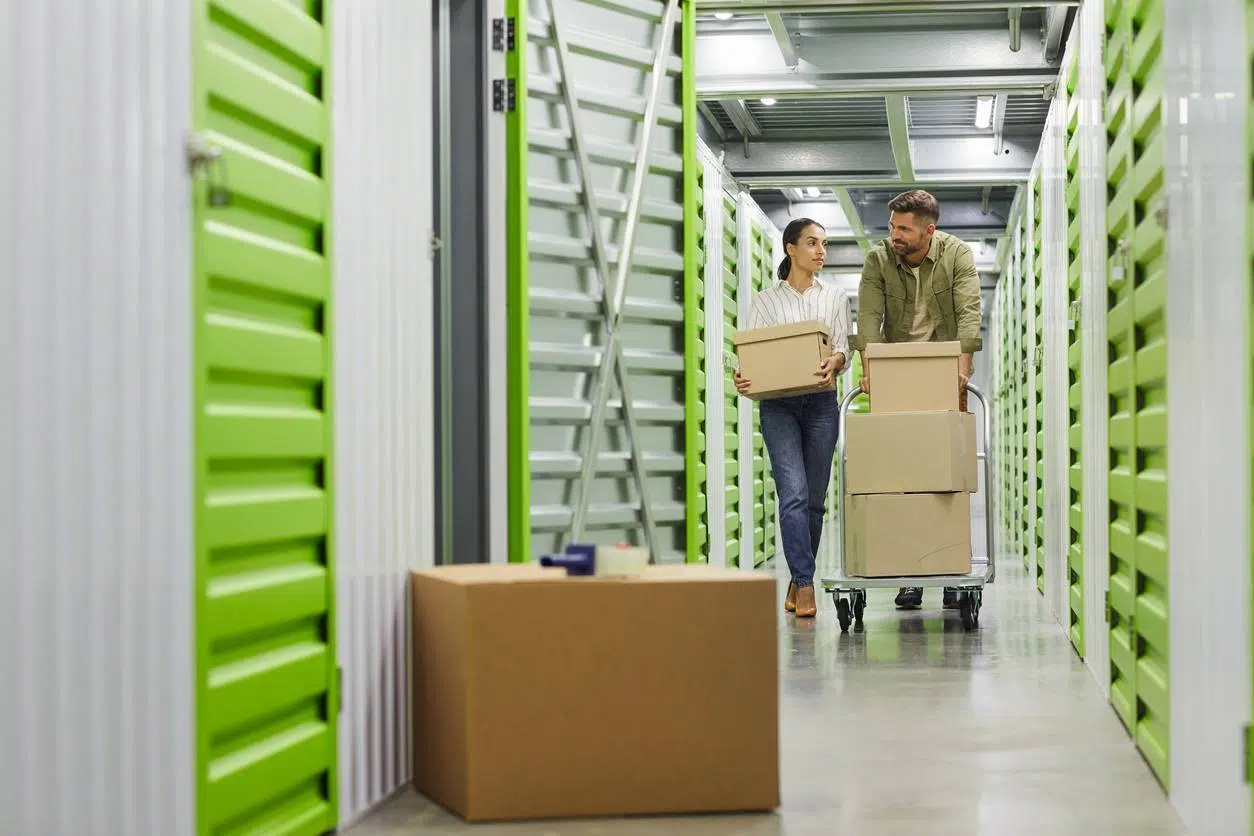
{"x":964,"y":371}
{"x":742,"y":383}
{"x":829,"y":368}
{"x":865,"y":383}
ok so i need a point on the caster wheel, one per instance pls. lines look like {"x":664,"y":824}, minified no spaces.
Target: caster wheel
{"x":859,"y":607}
{"x":843,"y":615}
{"x":969,"y":608}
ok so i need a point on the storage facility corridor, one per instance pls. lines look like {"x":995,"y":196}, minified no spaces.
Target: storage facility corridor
{"x":325,"y":324}
{"x":917,"y":726}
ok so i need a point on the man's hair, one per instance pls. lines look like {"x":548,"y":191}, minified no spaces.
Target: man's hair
{"x":916,"y":202}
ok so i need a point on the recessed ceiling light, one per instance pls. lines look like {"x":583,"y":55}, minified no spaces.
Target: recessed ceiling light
{"x":722,"y":15}
{"x":984,"y":112}
{"x":768,"y":101}
{"x":812,"y":191}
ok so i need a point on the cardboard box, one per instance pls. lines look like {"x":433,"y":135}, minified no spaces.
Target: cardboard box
{"x":910,"y":452}
{"x":914,"y":377}
{"x":890,"y":535}
{"x":537,"y":695}
{"x":783,"y":360}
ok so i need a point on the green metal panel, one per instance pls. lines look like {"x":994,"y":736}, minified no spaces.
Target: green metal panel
{"x":1137,"y":378}
{"x":764,"y":502}
{"x":696,"y":546}
{"x":1075,"y":431}
{"x":731,"y":398}
{"x":1038,"y":381}
{"x":1024,"y":326}
{"x":265,"y":634}
{"x":518,"y":269}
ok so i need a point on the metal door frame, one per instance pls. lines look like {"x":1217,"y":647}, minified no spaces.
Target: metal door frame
{"x":469,"y":397}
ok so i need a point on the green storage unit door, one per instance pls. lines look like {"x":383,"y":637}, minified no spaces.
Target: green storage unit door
{"x":557,"y":319}
{"x":1038,"y":380}
{"x":763,"y":267}
{"x":731,"y":403}
{"x":1138,"y":351}
{"x":265,"y":656}
{"x":1008,"y":409}
{"x":1027,"y":432}
{"x":696,"y":359}
{"x":1075,"y":432}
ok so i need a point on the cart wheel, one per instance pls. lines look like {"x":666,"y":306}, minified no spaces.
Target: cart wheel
{"x":842,"y":615}
{"x":969,"y":608}
{"x":859,"y":607}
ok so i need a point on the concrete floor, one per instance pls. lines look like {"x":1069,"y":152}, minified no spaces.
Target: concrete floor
{"x":916,"y":727}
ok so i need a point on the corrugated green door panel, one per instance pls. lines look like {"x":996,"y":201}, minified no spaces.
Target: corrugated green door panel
{"x":1121,"y":376}
{"x":1139,"y":599}
{"x":1075,"y":432}
{"x":731,"y":402}
{"x":696,"y":470}
{"x":265,"y":649}
{"x":696,"y":356}
{"x":1038,"y":377}
{"x":763,"y":484}
{"x":1149,"y":308}
{"x":1027,"y":432}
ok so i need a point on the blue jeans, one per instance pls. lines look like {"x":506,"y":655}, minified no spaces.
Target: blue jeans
{"x":800,"y":435}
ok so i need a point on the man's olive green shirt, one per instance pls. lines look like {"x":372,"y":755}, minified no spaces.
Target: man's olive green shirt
{"x":950,"y":287}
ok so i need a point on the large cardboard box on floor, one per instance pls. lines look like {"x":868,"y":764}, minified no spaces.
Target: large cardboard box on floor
{"x":890,"y":535}
{"x":914,"y":377}
{"x":910,"y":452}
{"x":537,"y":695}
{"x":783,"y":360}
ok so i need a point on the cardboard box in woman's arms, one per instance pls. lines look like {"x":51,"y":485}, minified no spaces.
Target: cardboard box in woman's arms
{"x":783,"y":360}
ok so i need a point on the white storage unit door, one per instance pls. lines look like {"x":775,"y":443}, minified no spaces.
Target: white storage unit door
{"x":592,"y":132}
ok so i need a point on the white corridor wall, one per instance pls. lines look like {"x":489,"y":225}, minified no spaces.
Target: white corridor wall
{"x":96,"y":568}
{"x":384,"y":375}
{"x":1208,"y":305}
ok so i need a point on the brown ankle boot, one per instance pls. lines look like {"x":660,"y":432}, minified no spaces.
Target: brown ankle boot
{"x":790,"y":600}
{"x":806,"y":607}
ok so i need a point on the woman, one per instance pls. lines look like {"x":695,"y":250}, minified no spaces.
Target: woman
{"x":800,"y":431}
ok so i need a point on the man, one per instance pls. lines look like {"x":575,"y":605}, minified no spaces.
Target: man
{"x":920,"y":285}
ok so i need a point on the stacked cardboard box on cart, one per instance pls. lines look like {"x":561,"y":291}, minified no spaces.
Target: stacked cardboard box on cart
{"x":910,"y":467}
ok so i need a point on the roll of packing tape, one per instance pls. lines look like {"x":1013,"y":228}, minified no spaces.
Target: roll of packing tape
{"x":621,"y":561}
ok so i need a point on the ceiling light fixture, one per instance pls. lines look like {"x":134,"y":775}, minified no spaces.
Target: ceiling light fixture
{"x":768,"y":101}
{"x":984,"y":112}
{"x":812,"y":191}
{"x":722,"y":15}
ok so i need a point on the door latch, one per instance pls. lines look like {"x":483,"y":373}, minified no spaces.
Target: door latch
{"x":205,"y":159}
{"x":1118,"y":266}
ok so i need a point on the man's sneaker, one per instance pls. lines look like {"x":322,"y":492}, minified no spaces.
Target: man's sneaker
{"x":950,"y":599}
{"x":909,"y":597}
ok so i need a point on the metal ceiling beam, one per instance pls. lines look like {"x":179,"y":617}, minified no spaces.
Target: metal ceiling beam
{"x":1055,"y":25}
{"x":717,"y":126}
{"x":974,"y":180}
{"x":844,"y":162}
{"x":740,"y":116}
{"x":926,"y":61}
{"x":853,"y":54}
{"x":899,"y":135}
{"x":803,"y":85}
{"x":862,"y":6}
{"x":999,"y":121}
{"x":783,"y":39}
{"x":853,"y":218}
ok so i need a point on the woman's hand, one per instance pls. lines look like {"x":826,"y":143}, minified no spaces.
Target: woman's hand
{"x":742,"y":383}
{"x":829,"y":368}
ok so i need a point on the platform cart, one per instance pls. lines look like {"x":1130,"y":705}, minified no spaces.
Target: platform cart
{"x":849,"y":593}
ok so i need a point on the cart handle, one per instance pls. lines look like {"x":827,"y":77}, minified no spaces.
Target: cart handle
{"x":846,"y":402}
